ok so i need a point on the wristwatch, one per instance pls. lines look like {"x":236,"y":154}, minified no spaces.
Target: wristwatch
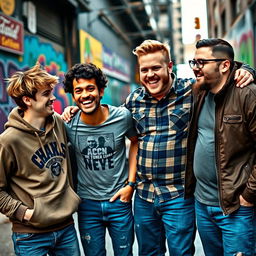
{"x":131,"y":184}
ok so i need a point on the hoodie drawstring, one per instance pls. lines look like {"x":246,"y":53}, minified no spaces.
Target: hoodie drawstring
{"x":58,"y":143}
{"x":41,"y":144}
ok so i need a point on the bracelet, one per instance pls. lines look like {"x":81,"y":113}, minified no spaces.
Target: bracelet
{"x":131,"y":184}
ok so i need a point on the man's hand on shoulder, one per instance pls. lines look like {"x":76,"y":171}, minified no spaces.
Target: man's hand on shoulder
{"x":243,"y":77}
{"x":69,"y":112}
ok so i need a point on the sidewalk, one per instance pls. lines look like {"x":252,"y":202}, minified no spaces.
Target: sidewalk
{"x":6,"y":247}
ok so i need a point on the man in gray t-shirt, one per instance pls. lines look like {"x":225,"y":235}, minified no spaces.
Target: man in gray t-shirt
{"x":97,"y":134}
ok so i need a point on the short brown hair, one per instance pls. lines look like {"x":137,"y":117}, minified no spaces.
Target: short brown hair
{"x":151,"y":46}
{"x":28,"y":82}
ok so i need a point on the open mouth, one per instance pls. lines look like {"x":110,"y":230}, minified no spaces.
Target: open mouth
{"x":87,"y":102}
{"x":50,"y":104}
{"x":198,"y":74}
{"x":152,"y":82}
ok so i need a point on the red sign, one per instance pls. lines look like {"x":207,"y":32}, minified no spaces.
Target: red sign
{"x":11,"y":34}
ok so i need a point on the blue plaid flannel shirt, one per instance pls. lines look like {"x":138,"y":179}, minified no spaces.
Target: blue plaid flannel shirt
{"x":162,"y":128}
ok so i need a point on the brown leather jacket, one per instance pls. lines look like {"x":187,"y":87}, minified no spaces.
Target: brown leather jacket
{"x":235,"y":144}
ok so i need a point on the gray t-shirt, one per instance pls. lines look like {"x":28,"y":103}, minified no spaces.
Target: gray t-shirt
{"x":204,"y":158}
{"x":100,"y":153}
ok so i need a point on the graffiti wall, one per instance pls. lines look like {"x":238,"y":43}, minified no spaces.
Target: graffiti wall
{"x":35,"y":49}
{"x":241,"y":38}
{"x":116,"y":68}
{"x":117,"y":91}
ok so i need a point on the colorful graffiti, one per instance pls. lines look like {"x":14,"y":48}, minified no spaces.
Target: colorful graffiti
{"x":117,"y":91}
{"x":34,"y":50}
{"x":241,"y":37}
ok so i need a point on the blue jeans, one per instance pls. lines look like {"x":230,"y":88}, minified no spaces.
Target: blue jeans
{"x":93,"y":219}
{"x":57,"y":243}
{"x":173,"y":219}
{"x":226,"y":234}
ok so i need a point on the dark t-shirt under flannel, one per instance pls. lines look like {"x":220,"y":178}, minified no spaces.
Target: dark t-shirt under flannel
{"x":162,"y":128}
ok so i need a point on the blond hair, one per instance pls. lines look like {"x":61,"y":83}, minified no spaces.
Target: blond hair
{"x":152,"y":46}
{"x":28,"y":82}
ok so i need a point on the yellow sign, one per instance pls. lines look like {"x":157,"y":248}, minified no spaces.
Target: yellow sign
{"x":7,"y":6}
{"x":90,"y":49}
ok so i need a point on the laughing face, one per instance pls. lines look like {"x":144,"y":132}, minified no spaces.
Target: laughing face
{"x":42,"y":105}
{"x":155,"y":73}
{"x":87,"y":95}
{"x":208,"y":77}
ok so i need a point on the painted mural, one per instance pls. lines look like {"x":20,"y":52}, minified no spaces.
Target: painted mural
{"x":241,"y":38}
{"x":34,"y":50}
{"x":116,"y":68}
{"x":117,"y":91}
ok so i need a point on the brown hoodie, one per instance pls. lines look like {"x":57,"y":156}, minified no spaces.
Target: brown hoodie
{"x":34,"y":173}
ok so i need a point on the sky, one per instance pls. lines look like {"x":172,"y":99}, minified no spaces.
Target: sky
{"x":190,"y":10}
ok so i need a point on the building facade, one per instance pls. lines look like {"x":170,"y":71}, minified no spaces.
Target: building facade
{"x":235,"y":21}
{"x":61,"y":33}
{"x":32,"y":31}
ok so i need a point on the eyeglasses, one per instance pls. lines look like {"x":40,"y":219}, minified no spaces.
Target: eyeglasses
{"x":199,"y":63}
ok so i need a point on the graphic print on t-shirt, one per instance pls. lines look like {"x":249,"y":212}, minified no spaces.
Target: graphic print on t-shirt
{"x":97,"y":151}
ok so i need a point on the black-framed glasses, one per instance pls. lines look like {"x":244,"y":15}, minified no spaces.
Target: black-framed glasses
{"x":199,"y":63}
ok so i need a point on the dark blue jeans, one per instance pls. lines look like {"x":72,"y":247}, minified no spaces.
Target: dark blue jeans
{"x":57,"y":243}
{"x":173,"y":219}
{"x":93,"y":219}
{"x":226,"y":234}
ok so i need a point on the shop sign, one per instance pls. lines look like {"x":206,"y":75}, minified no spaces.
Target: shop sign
{"x":115,"y":66}
{"x":11,"y":35}
{"x":7,"y":6}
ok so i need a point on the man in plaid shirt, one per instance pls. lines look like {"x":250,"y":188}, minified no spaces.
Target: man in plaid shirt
{"x":161,"y":110}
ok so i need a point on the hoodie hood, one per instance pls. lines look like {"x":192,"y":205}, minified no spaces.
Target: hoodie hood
{"x":17,"y":121}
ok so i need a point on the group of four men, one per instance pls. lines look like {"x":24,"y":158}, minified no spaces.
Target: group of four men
{"x":190,"y":138}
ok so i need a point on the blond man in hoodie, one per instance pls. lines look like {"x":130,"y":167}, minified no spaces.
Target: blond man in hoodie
{"x":35,"y":189}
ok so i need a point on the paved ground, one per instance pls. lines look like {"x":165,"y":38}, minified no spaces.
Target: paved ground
{"x":6,"y":247}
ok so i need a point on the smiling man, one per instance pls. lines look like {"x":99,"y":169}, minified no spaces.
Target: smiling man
{"x":97,"y":134}
{"x":161,"y":109}
{"x":35,"y":191}
{"x":221,"y":170}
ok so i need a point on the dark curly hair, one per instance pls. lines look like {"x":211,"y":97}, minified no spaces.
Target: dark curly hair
{"x":85,"y":71}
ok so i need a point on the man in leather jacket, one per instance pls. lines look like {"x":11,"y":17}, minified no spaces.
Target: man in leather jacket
{"x":221,"y":163}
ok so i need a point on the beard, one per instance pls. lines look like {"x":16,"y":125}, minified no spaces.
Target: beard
{"x":97,"y":105}
{"x":205,"y":87}
{"x":210,"y":81}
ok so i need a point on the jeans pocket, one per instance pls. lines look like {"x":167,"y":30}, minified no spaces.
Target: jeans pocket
{"x":123,"y":202}
{"x":243,"y":207}
{"x":22,"y":236}
{"x":245,"y":211}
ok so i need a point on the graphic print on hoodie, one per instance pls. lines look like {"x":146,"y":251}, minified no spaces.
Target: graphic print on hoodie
{"x":50,"y":156}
